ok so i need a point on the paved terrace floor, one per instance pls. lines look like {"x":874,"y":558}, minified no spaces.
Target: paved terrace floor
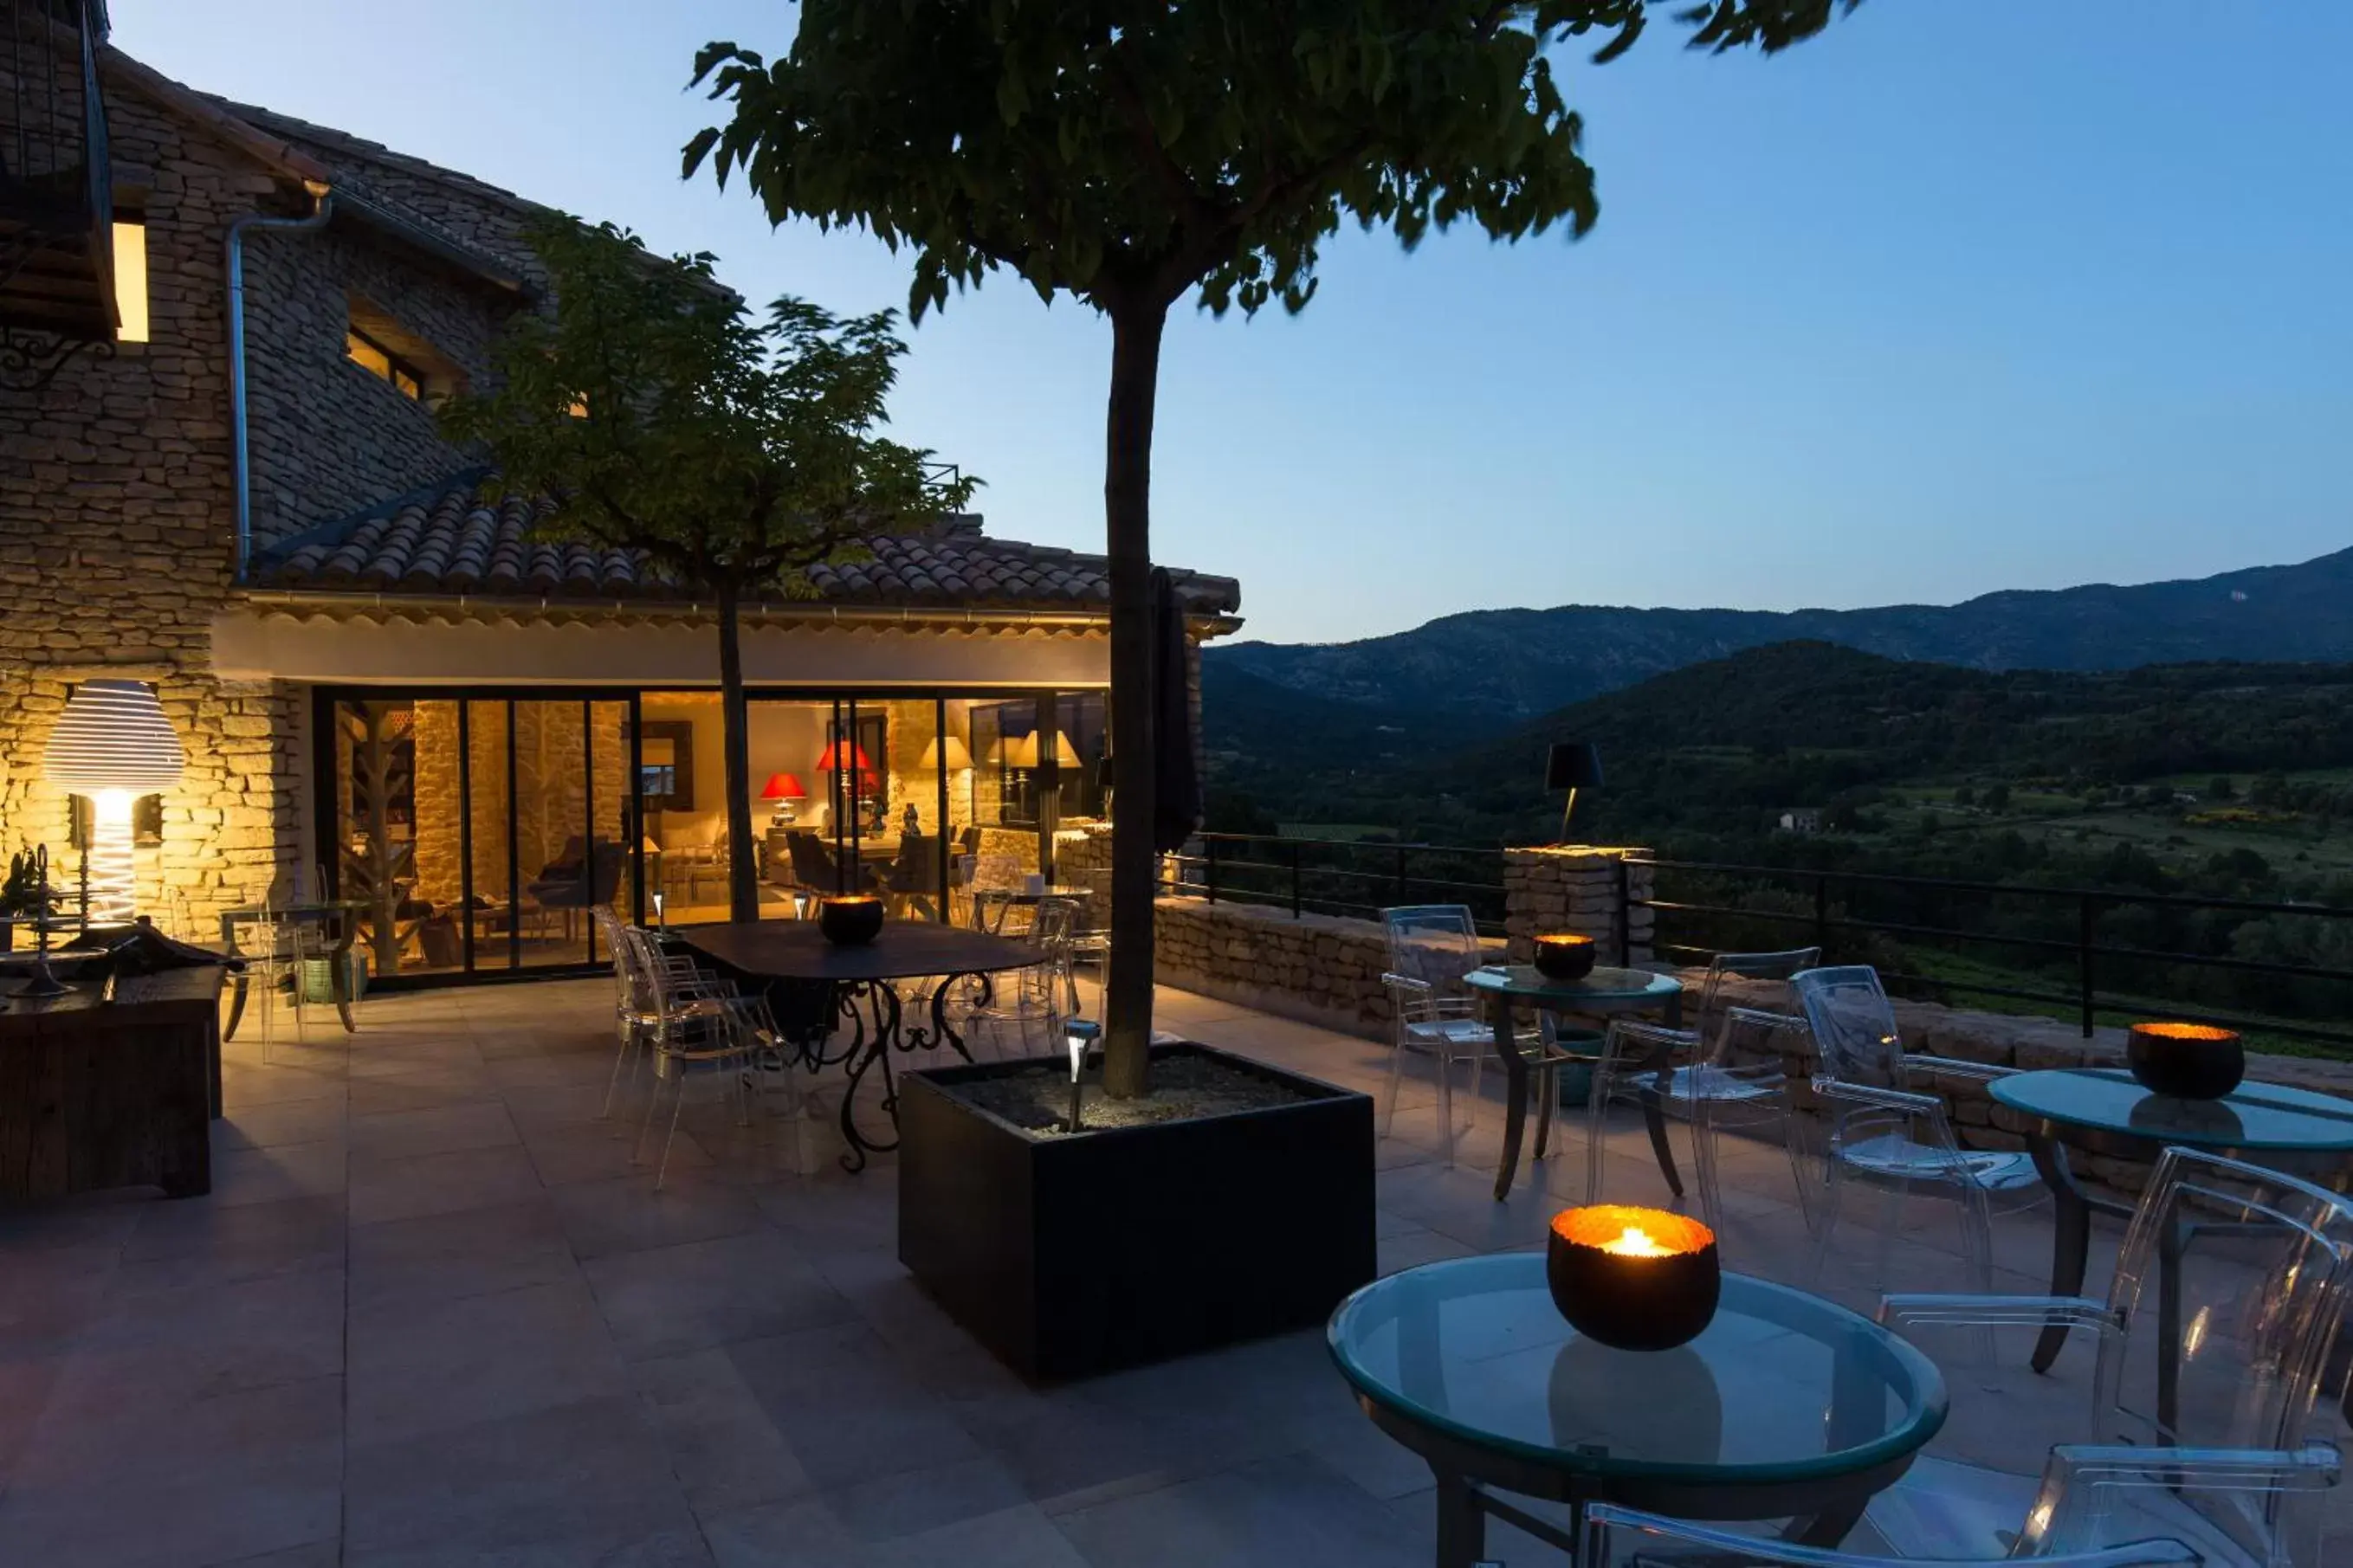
{"x":431,"y":1315}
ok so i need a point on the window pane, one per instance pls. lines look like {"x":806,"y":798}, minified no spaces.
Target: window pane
{"x":685,"y":779}
{"x":131,"y":282}
{"x":367,"y":356}
{"x":491,"y":827}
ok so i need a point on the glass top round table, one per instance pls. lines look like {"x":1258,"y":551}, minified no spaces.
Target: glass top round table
{"x":2256,"y":1117}
{"x":1786,"y":1406}
{"x":1602,"y":988}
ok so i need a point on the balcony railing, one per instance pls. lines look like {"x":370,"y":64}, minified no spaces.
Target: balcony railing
{"x":2086,"y":955}
{"x":56,"y":201}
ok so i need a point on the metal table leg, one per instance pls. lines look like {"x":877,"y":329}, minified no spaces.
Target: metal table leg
{"x":1515,"y":1096}
{"x":2071,"y":1233}
{"x":1462,"y":1526}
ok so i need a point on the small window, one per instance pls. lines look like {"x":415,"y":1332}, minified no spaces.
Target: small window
{"x":382,"y":364}
{"x":130,"y":280}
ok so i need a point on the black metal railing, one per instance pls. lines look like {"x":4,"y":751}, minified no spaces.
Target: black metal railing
{"x":2083,"y":955}
{"x":2064,"y":936}
{"x":1339,"y":876}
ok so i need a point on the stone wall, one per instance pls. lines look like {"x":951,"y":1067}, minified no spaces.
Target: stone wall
{"x":115,"y":535}
{"x":1320,"y":969}
{"x":1572,"y":887}
{"x":117,"y":518}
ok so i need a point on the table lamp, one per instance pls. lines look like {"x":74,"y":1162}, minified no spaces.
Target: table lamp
{"x":1572,"y":765}
{"x":784,"y":789}
{"x":959,"y":759}
{"x":111,"y":745}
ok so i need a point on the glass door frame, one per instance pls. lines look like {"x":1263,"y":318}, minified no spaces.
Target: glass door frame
{"x":326,"y":845}
{"x":846,"y":699}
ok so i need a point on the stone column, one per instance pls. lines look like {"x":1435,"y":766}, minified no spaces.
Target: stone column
{"x":1574,"y":888}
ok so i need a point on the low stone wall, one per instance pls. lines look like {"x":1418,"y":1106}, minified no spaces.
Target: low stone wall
{"x":1319,"y":969}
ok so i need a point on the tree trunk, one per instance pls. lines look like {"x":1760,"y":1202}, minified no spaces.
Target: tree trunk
{"x":1127,"y":518}
{"x":735,"y":726}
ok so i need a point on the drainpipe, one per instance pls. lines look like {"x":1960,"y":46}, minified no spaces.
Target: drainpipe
{"x":240,"y":455}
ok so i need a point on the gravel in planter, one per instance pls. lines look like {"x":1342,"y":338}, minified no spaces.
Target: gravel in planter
{"x":1038,"y":1099}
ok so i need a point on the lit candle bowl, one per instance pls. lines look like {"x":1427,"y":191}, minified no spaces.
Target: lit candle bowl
{"x":1632,"y":1279}
{"x":850,"y":920}
{"x":2190,"y":1061}
{"x":1564,"y":956}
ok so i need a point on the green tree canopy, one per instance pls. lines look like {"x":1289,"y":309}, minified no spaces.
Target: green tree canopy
{"x":1127,"y":152}
{"x":733,"y":450}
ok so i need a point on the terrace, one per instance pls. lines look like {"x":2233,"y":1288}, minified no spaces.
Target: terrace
{"x":431,"y":1313}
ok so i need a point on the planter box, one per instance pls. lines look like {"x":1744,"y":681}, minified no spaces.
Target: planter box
{"x":1072,"y":1256}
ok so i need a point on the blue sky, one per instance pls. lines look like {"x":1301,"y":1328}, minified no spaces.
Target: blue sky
{"x":2020,"y":293}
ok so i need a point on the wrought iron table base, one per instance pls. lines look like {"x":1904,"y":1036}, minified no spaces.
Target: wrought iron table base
{"x":869,"y":1018}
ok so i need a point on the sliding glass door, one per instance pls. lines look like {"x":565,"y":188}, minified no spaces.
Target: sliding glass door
{"x":478,"y":830}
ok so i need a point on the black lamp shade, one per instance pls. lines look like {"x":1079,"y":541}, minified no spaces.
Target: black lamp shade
{"x":1573,"y":764}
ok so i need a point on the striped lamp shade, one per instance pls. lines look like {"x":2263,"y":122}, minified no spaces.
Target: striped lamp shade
{"x":113,"y":736}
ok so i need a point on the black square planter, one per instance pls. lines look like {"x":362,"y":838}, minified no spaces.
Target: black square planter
{"x":1069,"y":1256}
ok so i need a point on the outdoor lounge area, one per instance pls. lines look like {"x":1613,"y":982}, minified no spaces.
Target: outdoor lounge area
{"x":431,"y":1312}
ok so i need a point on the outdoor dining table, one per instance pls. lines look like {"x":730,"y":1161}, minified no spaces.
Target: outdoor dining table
{"x":1604,"y":991}
{"x":1785,"y":1406}
{"x":2106,"y":1111}
{"x":819,"y":991}
{"x":338,"y":917}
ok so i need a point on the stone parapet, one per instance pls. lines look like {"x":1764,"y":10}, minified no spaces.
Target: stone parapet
{"x":1319,"y":969}
{"x":1574,"y":888}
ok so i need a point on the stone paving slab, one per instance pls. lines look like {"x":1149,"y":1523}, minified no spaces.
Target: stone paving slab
{"x":433,"y":1314}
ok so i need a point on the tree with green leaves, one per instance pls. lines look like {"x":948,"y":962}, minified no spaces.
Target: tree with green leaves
{"x":732,"y":451}
{"x":1129,"y":151}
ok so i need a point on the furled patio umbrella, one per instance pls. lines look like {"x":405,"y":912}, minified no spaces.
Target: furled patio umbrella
{"x":1176,"y":781}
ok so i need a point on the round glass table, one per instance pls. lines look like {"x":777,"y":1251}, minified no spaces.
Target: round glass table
{"x":1603,"y":992}
{"x":1787,"y":1406}
{"x":2106,"y":1111}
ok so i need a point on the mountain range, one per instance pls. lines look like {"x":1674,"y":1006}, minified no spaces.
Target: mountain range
{"x":1492,"y":666}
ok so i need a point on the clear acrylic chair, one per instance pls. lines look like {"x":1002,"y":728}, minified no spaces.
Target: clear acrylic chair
{"x":1885,"y":1132}
{"x":1618,"y":1537}
{"x":1725,"y":1073}
{"x":1431,"y":948}
{"x":277,"y":949}
{"x":658,"y":996}
{"x":692,"y":1025}
{"x":2214,"y":1341}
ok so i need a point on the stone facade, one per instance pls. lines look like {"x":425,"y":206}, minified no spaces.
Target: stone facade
{"x":117,"y":516}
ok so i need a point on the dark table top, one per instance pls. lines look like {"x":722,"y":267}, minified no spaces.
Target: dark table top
{"x":797,"y":949}
{"x":196,"y":982}
{"x":1780,"y":1387}
{"x":2254,"y":1116}
{"x":1604,"y":987}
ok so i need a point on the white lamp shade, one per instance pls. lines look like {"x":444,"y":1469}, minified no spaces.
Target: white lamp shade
{"x":958,"y":757}
{"x":1023,"y":753}
{"x":113,"y":736}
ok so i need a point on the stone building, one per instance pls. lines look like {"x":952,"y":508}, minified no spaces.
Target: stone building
{"x":392,"y":687}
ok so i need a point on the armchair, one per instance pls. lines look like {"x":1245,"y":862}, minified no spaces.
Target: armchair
{"x":1888,"y":1133}
{"x":2213,"y":1342}
{"x":1726,"y":1072}
{"x":1626,"y":1538}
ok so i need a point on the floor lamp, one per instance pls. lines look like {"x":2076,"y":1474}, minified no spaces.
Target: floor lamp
{"x":111,"y":745}
{"x":1572,"y":765}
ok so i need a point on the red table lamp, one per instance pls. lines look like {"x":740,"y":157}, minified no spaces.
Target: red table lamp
{"x":783,"y":789}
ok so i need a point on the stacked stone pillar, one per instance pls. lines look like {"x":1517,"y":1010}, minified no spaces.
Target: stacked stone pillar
{"x":1574,"y":888}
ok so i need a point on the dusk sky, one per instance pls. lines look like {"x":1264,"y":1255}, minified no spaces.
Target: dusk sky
{"x":1956,"y":297}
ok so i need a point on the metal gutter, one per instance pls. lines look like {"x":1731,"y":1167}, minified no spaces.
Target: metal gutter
{"x":1216,"y":624}
{"x":240,"y":452}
